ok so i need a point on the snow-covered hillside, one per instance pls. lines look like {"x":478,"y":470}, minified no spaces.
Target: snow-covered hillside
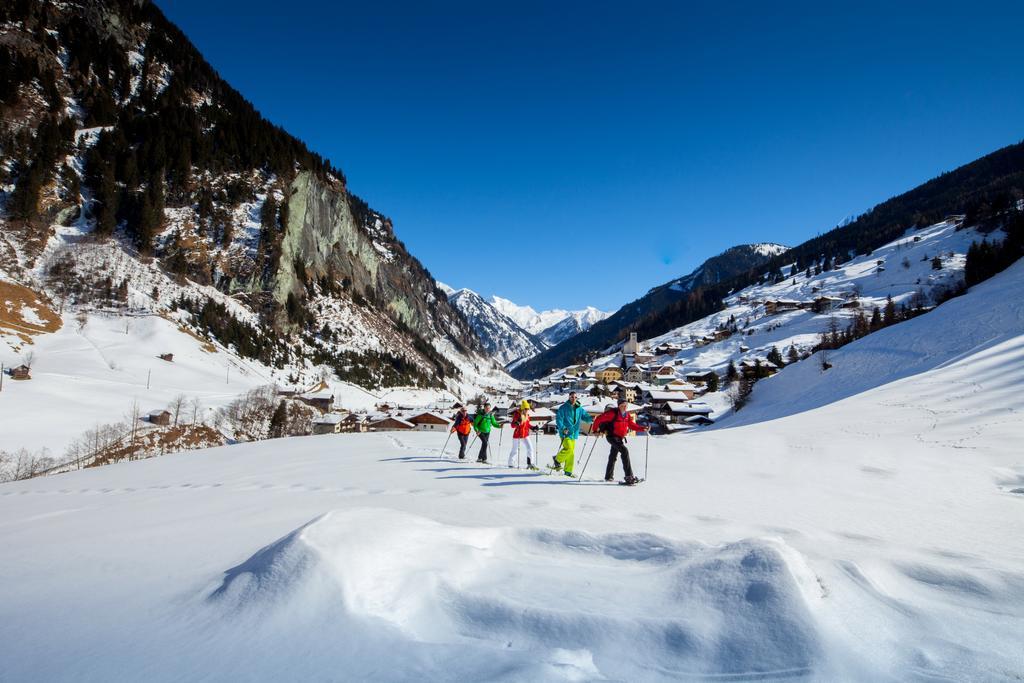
{"x":747,"y":328}
{"x":873,"y":538}
{"x":502,"y":337}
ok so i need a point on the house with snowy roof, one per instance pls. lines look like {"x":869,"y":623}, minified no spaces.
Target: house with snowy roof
{"x":773,"y":306}
{"x":322,"y":400}
{"x":430,"y":422}
{"x":328,"y":424}
{"x":390,"y":424}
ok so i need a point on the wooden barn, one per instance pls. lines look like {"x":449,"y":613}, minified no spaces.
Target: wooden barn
{"x":391,"y":424}
{"x":21,"y":372}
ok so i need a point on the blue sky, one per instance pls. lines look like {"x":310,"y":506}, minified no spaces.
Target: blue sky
{"x":564,"y":154}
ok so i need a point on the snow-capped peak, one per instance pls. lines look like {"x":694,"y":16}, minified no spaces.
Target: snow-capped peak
{"x":537,"y":323}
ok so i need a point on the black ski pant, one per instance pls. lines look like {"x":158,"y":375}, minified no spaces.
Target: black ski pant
{"x":484,"y":438}
{"x":463,"y":440}
{"x":618,"y":448}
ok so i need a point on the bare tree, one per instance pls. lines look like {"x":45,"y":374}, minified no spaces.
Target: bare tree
{"x":176,"y":405}
{"x":133,"y":428}
{"x":197,"y":404}
{"x":29,"y":358}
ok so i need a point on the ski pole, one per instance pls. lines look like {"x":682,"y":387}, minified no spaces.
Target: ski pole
{"x":647,"y":452}
{"x":587,"y":461}
{"x":446,"y":444}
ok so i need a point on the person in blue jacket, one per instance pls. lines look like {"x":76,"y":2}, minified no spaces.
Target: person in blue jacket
{"x":568,"y":419}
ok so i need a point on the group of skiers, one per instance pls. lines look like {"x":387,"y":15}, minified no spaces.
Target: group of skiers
{"x":615,"y":423}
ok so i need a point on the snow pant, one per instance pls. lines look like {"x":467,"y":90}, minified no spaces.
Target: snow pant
{"x":618,"y":447}
{"x":463,"y":440}
{"x":484,"y":438}
{"x":566,"y":455}
{"x":515,"y":451}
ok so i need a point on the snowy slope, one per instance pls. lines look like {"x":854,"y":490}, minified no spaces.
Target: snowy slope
{"x":502,"y":337}
{"x":874,"y":538}
{"x":571,"y":325}
{"x":987,"y":324}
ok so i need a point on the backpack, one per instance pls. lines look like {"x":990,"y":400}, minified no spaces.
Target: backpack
{"x":607,"y":427}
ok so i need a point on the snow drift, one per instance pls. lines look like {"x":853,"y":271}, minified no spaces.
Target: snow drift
{"x":528,"y":603}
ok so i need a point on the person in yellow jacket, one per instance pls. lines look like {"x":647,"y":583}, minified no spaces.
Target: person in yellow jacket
{"x":568,"y":419}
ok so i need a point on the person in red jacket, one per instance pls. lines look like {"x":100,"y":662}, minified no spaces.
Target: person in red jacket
{"x":521,"y":435}
{"x":617,"y":424}
{"x":461,"y":425}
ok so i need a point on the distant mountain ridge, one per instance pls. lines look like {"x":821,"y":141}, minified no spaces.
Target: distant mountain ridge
{"x":610,"y":330}
{"x":512,"y":333}
{"x":500,"y":336}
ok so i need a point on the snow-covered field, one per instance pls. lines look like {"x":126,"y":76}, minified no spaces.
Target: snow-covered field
{"x":875,"y":537}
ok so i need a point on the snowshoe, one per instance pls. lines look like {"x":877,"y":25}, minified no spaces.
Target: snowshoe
{"x":557,"y":466}
{"x":609,"y":479}
{"x":630,"y":481}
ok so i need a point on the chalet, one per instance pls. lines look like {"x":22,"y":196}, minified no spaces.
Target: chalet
{"x":772,"y":307}
{"x":160,"y":417}
{"x":430,"y":422}
{"x":699,"y":378}
{"x":390,"y":424}
{"x":826,"y":304}
{"x":169,"y":357}
{"x":680,"y":412}
{"x":680,"y":387}
{"x":574,"y":370}
{"x":658,"y":398}
{"x":663,"y":375}
{"x":757,"y":368}
{"x":636,"y":373}
{"x":665,"y":349}
{"x":322,"y":400}
{"x":643,"y":357}
{"x":609,"y":374}
{"x":21,"y":372}
{"x":625,"y":391}
{"x":352,"y":423}
{"x":328,"y":424}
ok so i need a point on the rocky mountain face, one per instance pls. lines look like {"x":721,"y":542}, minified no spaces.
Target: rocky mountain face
{"x":505,"y":340}
{"x":608,"y":331}
{"x":116,"y":134}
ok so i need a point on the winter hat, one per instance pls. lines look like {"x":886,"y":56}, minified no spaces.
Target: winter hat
{"x":525,"y":405}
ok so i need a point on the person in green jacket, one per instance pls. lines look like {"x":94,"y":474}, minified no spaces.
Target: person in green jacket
{"x":568,"y":419}
{"x":483,"y":422}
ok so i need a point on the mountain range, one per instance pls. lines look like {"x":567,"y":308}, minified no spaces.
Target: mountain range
{"x":512,"y":333}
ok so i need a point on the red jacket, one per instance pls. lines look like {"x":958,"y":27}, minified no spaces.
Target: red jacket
{"x":520,"y":425}
{"x":621,"y":424}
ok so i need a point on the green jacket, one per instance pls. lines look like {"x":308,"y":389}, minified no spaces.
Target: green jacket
{"x":483,"y":422}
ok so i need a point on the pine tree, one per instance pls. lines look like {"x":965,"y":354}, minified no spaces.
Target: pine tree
{"x":730,"y":373}
{"x":792,"y":355}
{"x":713,"y":382}
{"x":279,"y":420}
{"x":775,"y":357}
{"x":936,"y":263}
{"x":889,"y":314}
{"x":876,"y":319}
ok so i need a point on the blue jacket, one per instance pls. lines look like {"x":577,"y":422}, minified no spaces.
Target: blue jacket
{"x":569,"y":418}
